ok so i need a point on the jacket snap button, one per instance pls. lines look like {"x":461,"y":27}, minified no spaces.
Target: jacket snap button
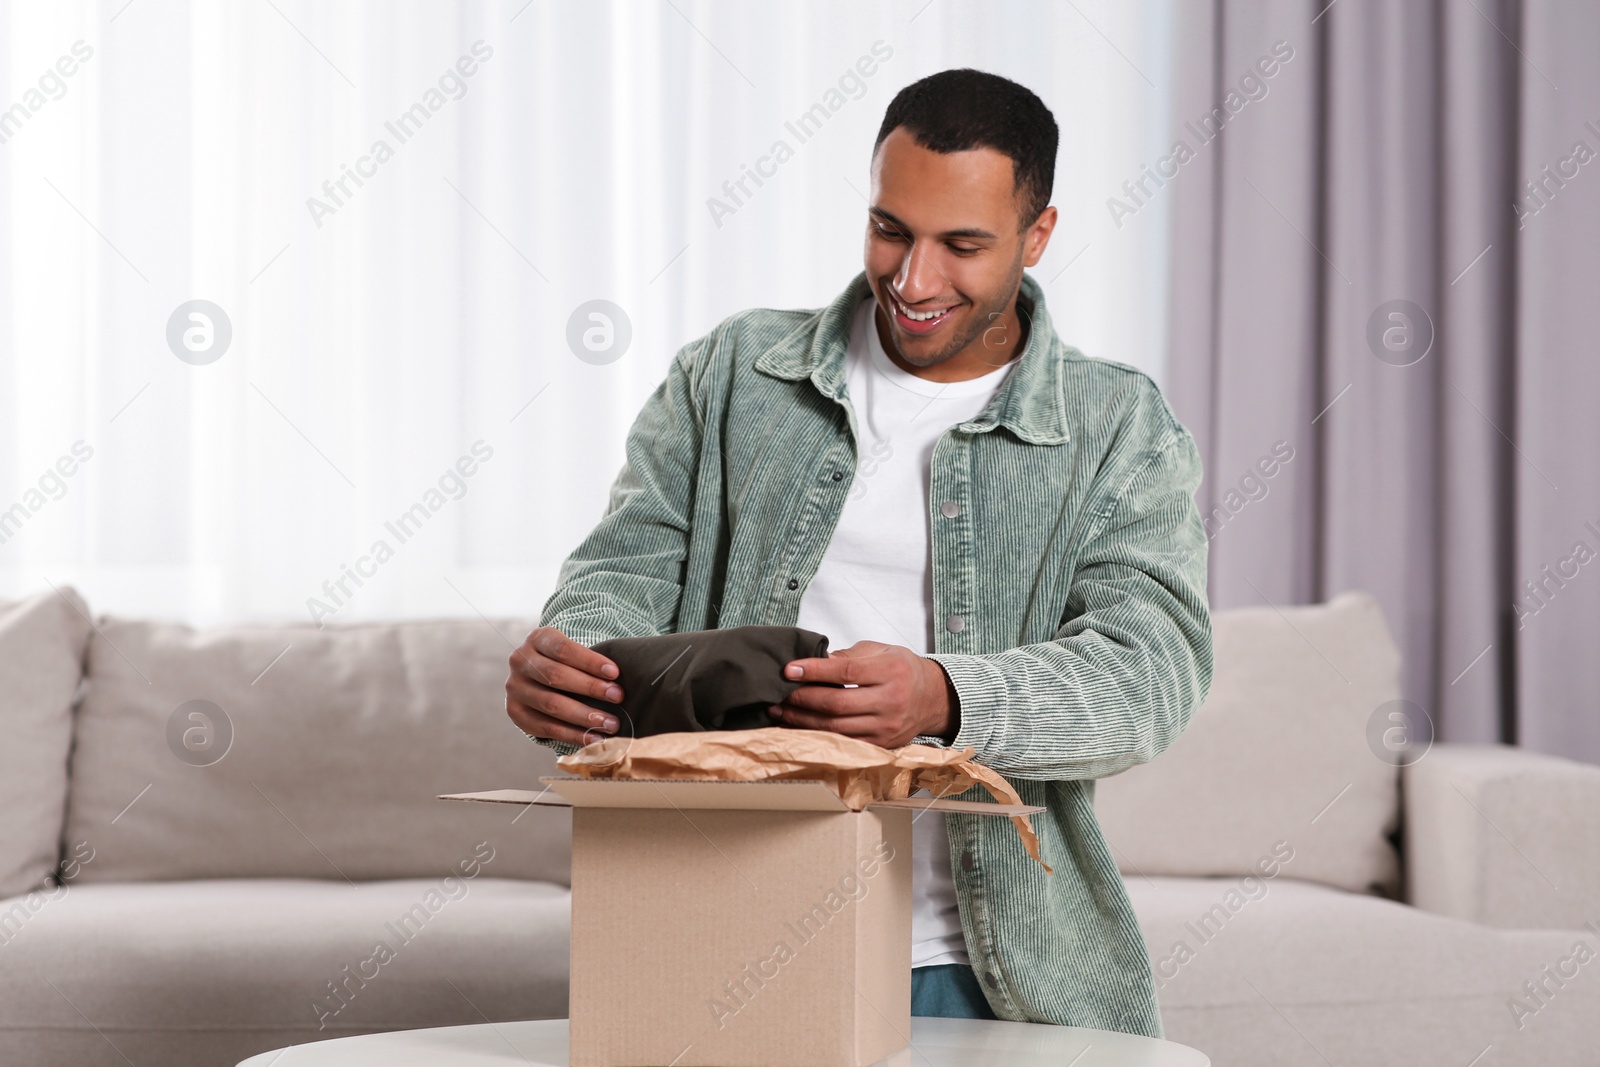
{"x":955,"y":624}
{"x":949,"y":509}
{"x":990,"y":980}
{"x":838,"y":476}
{"x":794,"y":583}
{"x":967,"y":862}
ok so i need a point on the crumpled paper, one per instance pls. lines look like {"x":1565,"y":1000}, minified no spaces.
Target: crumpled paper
{"x":859,"y":771}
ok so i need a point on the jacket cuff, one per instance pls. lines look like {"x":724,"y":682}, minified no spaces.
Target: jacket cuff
{"x":562,"y":748}
{"x":981,"y":687}
{"x":591,"y":625}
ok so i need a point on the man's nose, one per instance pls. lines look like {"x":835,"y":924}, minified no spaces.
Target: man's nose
{"x":919,"y":277}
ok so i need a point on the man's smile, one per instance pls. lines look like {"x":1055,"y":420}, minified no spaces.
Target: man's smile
{"x":919,"y":321}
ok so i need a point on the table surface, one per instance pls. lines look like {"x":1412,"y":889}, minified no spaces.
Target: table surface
{"x":936,"y":1043}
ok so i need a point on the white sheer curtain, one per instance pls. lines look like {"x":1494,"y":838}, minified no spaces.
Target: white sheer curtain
{"x":380,"y":336}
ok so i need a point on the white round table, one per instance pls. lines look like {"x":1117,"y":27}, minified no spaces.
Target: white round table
{"x":934,"y":1043}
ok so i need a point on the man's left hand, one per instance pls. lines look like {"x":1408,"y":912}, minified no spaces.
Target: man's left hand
{"x":898,"y":695}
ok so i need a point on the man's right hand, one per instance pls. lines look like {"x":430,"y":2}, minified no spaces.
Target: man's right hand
{"x":547,"y":667}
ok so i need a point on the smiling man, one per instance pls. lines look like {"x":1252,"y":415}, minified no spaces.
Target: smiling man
{"x":997,"y":533}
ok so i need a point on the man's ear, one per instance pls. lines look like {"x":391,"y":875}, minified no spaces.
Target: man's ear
{"x":1037,"y":238}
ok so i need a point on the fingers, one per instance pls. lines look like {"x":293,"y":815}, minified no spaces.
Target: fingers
{"x":834,"y":702}
{"x":557,"y":675}
{"x":862,"y":663}
{"x":544,"y":671}
{"x":550,"y":658}
{"x":837,"y":670}
{"x":558,"y":706}
{"x":540,"y":725}
{"x":553,"y":644}
{"x":862,"y":726}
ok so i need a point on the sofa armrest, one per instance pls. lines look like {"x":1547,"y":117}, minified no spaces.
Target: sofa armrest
{"x":1503,"y":836}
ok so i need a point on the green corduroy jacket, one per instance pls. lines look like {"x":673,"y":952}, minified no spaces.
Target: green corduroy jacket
{"x":1069,"y":579}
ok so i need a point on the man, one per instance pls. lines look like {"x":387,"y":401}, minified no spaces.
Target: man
{"x":998,"y":534}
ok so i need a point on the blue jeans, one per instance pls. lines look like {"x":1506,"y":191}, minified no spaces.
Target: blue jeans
{"x":950,"y":990}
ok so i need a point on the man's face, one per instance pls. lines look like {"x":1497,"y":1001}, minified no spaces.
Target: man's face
{"x":942,"y":239}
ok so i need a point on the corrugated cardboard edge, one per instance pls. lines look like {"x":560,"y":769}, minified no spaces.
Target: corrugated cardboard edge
{"x":786,"y":794}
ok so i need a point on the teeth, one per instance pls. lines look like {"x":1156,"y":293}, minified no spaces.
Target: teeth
{"x":919,"y":317}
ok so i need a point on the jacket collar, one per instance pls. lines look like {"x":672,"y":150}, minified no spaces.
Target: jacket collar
{"x":1029,"y":403}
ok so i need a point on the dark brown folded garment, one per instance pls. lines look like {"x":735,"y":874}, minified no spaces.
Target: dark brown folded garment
{"x":704,"y":679}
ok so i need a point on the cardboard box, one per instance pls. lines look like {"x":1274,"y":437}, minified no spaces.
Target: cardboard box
{"x":737,"y":924}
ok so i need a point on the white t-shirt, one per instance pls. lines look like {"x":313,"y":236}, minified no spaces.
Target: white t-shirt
{"x":875,"y":582}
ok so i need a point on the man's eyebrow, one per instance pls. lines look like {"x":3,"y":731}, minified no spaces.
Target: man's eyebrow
{"x":969,"y":232}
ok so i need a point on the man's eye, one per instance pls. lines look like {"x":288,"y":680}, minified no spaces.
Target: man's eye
{"x":963,"y":250}
{"x":890,"y":234}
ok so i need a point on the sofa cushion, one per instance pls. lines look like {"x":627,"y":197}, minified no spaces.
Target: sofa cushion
{"x":208,"y":973}
{"x":1278,"y":752}
{"x":41,"y":663}
{"x":1279,"y":973}
{"x":294,"y":751}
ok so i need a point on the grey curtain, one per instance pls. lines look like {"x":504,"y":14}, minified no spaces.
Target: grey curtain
{"x":1386,"y":317}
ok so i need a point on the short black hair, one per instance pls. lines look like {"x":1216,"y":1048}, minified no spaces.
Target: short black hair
{"x":962,"y":109}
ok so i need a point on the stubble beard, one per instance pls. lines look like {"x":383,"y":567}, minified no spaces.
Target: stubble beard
{"x":982,"y":319}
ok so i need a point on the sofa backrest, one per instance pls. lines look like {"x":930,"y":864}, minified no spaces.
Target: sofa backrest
{"x":1279,"y":752}
{"x":294,"y":751}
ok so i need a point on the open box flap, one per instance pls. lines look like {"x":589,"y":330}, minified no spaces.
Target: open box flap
{"x":769,"y":795}
{"x":543,"y":797}
{"x":562,"y":792}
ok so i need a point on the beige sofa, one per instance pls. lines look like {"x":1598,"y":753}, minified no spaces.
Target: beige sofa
{"x":1474,"y":950}
{"x":267,"y":867}
{"x":216,"y":843}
